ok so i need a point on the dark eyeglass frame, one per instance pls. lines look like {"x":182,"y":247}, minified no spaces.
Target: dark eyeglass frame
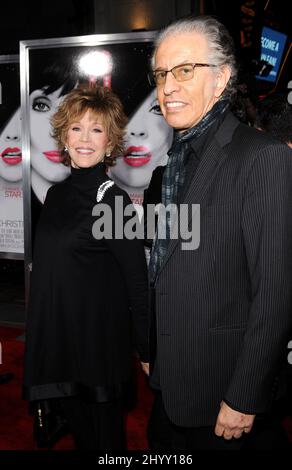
{"x":152,"y":76}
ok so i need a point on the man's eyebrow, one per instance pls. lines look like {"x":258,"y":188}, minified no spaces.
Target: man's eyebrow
{"x":184,"y":62}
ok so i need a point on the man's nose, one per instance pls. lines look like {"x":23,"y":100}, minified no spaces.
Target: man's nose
{"x":170,"y":85}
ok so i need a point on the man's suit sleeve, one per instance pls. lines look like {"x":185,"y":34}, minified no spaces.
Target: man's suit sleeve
{"x":267,"y":232}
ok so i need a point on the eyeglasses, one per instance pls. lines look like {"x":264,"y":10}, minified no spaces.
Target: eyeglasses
{"x":181,"y":73}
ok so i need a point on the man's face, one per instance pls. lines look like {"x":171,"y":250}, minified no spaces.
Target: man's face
{"x":184,"y":104}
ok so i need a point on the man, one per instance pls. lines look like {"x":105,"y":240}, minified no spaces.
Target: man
{"x":221,"y":313}
{"x":274,"y":116}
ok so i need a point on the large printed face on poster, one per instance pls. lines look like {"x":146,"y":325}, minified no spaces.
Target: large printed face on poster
{"x":54,"y":72}
{"x":10,"y":133}
{"x":147,"y":143}
{"x":11,"y":196}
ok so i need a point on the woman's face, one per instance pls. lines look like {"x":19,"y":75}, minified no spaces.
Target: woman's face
{"x":46,"y":160}
{"x":10,"y":150}
{"x":147,"y":142}
{"x":87,"y":141}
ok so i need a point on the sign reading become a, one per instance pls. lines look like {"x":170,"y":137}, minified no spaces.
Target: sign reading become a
{"x":272,"y":47}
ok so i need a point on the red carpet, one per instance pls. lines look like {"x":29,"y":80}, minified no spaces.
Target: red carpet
{"x":15,"y":422}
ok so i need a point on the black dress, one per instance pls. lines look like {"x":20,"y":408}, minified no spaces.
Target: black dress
{"x":88,"y":300}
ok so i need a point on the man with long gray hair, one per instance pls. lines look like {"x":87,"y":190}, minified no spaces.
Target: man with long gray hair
{"x":221,"y":314}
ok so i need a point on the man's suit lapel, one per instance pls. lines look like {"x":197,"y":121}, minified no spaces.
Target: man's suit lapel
{"x":208,"y":167}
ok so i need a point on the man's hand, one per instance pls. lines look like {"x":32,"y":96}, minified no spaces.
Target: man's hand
{"x":231,"y":423}
{"x":145,"y":367}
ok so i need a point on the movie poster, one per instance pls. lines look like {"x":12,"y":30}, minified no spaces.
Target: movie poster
{"x":123,"y":66}
{"x":11,"y":195}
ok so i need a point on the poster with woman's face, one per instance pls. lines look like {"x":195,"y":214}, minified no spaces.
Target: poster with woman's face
{"x":11,"y":196}
{"x":53,"y":72}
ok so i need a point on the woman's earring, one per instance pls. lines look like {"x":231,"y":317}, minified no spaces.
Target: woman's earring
{"x":65,"y":148}
{"x":108,"y":153}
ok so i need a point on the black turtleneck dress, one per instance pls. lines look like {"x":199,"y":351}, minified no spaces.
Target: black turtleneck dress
{"x":88,"y":302}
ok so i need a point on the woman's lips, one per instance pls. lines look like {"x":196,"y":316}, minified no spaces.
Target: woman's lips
{"x":54,"y":156}
{"x":137,"y":156}
{"x":12,"y":156}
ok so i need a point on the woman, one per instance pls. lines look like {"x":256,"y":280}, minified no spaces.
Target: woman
{"x":148,"y":140}
{"x":88,"y":295}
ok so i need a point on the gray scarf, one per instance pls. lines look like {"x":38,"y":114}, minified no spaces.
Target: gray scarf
{"x":173,"y":180}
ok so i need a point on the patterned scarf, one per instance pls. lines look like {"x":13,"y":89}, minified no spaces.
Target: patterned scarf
{"x":172,"y":182}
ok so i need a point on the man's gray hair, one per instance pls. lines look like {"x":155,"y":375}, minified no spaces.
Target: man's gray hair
{"x":221,"y":45}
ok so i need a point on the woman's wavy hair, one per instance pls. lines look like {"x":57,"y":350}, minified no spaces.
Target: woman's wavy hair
{"x":102,"y":102}
{"x":221,"y":45}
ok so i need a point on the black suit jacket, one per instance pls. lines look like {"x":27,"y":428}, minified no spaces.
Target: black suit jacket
{"x":223,"y":311}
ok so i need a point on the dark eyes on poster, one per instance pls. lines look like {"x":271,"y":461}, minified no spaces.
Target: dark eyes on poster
{"x":28,"y":154}
{"x":49,"y":70}
{"x":11,"y":195}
